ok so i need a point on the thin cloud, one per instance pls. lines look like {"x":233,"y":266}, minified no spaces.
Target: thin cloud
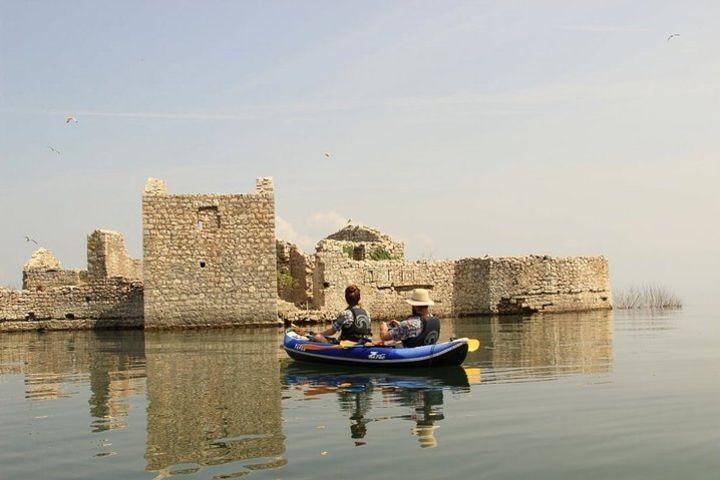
{"x":284,"y":230}
{"x":601,"y":28}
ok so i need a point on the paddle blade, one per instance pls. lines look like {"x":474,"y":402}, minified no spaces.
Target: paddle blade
{"x":473,"y":344}
{"x":473,"y":375}
{"x":347,"y":343}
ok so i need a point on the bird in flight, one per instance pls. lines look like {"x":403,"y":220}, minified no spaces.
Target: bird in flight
{"x":28,"y":239}
{"x":53,"y":150}
{"x":672,"y":35}
{"x":327,"y":154}
{"x":71,"y":119}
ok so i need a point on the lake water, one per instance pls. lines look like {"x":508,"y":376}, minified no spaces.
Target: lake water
{"x":616,"y":395}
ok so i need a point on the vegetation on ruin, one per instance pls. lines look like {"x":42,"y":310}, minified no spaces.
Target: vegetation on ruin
{"x":348,"y":250}
{"x":285,"y":280}
{"x":649,"y":296}
{"x":380,"y":253}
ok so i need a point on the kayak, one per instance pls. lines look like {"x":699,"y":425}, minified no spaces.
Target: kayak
{"x":299,"y":347}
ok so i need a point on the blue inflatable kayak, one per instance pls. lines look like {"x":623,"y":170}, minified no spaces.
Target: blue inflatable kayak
{"x":449,"y":353}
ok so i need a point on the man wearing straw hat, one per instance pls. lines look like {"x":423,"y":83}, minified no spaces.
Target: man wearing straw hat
{"x":420,"y":328}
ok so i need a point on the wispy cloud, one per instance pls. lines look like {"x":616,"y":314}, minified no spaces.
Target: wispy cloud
{"x":595,"y":28}
{"x":316,"y":226}
{"x":284,"y":230}
{"x":492,"y":104}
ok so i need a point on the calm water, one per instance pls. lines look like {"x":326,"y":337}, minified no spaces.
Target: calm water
{"x":601,"y":395}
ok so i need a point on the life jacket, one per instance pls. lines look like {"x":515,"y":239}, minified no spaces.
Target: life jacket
{"x":428,"y":335}
{"x":360,"y":328}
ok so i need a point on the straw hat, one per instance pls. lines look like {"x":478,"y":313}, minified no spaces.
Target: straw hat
{"x":420,"y":297}
{"x":426,"y":435}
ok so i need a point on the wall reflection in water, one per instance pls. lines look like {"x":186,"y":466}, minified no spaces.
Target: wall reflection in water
{"x":214,"y":397}
{"x":539,"y":347}
{"x":56,"y":364}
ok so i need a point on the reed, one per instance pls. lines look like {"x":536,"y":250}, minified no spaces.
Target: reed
{"x":648,"y":297}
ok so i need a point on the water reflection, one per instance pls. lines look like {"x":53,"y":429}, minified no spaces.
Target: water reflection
{"x":419,"y":391}
{"x":541,"y":347}
{"x":214,"y":398}
{"x":56,"y":365}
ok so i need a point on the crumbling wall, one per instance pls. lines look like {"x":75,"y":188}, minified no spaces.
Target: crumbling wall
{"x":529,"y":284}
{"x":384,"y":285}
{"x":471,"y":295}
{"x":361,"y":242}
{"x":109,"y":303}
{"x":43,"y":271}
{"x":107,"y":257}
{"x":209,"y":260}
{"x":62,"y":299}
{"x":294,"y":274}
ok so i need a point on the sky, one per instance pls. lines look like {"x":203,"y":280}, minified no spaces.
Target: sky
{"x":462,"y":128}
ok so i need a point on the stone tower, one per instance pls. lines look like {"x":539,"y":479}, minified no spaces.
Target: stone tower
{"x":209,"y":260}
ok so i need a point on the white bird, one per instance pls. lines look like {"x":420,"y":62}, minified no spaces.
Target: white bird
{"x":52,"y":149}
{"x":28,"y":239}
{"x":672,"y":35}
{"x":71,"y":119}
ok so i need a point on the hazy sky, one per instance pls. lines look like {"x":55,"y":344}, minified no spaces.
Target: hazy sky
{"x":462,"y":128}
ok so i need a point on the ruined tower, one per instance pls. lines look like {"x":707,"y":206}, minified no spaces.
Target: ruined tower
{"x":209,"y":260}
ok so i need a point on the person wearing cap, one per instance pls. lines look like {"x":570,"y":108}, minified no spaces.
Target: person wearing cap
{"x":353,"y":323}
{"x":420,"y":328}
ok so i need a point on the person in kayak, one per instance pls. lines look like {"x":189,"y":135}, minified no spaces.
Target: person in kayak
{"x":353,"y":323}
{"x":420,"y":328}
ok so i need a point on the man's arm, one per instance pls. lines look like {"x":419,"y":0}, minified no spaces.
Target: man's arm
{"x":385,"y":333}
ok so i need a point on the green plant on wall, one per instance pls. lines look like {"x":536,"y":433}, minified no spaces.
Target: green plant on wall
{"x":348,"y":250}
{"x":380,"y":253}
{"x":285,"y":280}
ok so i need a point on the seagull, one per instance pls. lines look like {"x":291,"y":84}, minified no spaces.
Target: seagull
{"x":28,"y":239}
{"x":52,"y":149}
{"x":71,"y":119}
{"x":327,"y":154}
{"x":349,"y":221}
{"x":672,"y":35}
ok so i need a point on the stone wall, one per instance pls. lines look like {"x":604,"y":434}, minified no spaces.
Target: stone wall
{"x":384,"y":285}
{"x":40,"y":280}
{"x":209,"y":260}
{"x":113,"y":302}
{"x":362,"y":242}
{"x":529,"y":284}
{"x":43,"y":271}
{"x":54,"y":298}
{"x":107,"y":257}
{"x":295,"y":274}
{"x":472,"y":286}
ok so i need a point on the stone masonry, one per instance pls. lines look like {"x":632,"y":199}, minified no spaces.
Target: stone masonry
{"x":209,"y":260}
{"x":466,"y":287}
{"x":213,"y":260}
{"x":104,"y":296}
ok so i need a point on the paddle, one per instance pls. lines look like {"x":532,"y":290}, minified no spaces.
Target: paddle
{"x":473,"y":344}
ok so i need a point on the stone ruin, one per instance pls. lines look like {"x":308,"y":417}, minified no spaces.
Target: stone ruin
{"x":209,"y":260}
{"x":213,"y":260}
{"x":108,"y":294}
{"x":466,"y":287}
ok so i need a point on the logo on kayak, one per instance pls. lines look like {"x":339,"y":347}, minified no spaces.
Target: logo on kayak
{"x":376,"y":356}
{"x":299,"y":347}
